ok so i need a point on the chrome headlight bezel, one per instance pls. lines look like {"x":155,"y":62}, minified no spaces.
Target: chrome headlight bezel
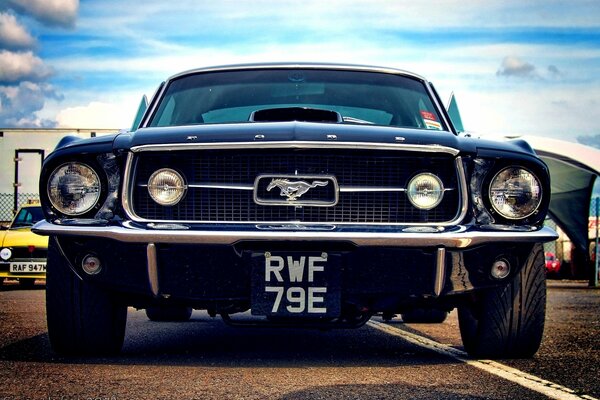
{"x":536,"y":196}
{"x":96,"y":185}
{"x":410,"y":190}
{"x":178,"y":188}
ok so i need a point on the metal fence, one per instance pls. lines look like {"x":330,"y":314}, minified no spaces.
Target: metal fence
{"x":7,"y":203}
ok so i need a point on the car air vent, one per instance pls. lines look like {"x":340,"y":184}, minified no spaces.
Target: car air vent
{"x":304,"y":114}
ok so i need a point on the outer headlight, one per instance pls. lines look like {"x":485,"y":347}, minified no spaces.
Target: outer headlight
{"x":166,"y":187}
{"x":5,"y":253}
{"x":425,"y":191}
{"x":74,"y":188}
{"x":515,"y":193}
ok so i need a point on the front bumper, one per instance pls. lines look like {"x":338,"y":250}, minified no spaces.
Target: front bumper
{"x":379,"y":269}
{"x":458,"y":237}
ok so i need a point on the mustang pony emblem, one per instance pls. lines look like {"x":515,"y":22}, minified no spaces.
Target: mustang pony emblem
{"x":293,"y":190}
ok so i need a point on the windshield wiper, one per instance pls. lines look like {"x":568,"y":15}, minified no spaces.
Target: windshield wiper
{"x":353,"y":120}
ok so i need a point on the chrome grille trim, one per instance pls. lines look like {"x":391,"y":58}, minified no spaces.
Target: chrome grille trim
{"x":422,"y":148}
{"x":129,"y":172}
{"x":345,"y":189}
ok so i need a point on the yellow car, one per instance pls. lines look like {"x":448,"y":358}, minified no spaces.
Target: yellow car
{"x":23,"y":253}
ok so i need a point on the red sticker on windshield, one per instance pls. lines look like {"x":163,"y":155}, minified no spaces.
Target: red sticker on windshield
{"x":428,"y":115}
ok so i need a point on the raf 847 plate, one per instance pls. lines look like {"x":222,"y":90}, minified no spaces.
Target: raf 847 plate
{"x":27,"y":267}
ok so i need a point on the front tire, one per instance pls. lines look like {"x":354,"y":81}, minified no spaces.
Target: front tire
{"x":82,"y":318}
{"x":508,"y":321}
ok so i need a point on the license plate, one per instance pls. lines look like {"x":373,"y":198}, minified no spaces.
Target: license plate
{"x":27,"y":267}
{"x":291,"y":284}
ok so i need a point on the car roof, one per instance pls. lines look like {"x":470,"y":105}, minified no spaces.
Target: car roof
{"x":346,"y":67}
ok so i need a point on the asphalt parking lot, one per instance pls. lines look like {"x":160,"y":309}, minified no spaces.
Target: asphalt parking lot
{"x":206,"y":359}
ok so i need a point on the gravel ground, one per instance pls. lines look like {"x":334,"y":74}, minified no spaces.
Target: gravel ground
{"x":205,"y":359}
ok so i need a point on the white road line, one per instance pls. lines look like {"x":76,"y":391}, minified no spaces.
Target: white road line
{"x":532,"y":382}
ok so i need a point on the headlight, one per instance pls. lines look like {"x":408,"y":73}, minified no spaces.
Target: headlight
{"x":515,"y":193}
{"x":74,"y":188}
{"x":5,"y":254}
{"x":166,"y":187}
{"x":425,"y":191}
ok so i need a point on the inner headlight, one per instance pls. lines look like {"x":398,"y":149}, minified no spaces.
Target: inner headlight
{"x":74,"y":188}
{"x":166,"y":187}
{"x":5,"y":253}
{"x":515,"y":193}
{"x":425,"y":191}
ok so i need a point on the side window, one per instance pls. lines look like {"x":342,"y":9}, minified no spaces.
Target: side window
{"x":166,"y":114}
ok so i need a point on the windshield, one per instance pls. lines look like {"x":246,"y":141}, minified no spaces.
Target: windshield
{"x":27,"y":216}
{"x":359,"y":97}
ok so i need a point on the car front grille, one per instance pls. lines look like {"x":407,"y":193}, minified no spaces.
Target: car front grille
{"x":23,"y":253}
{"x":221,"y":185}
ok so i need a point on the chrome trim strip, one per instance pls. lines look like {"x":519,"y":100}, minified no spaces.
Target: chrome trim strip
{"x":440,"y":108}
{"x":440,"y":271}
{"x":429,"y":148}
{"x":378,"y":189}
{"x":225,"y":186}
{"x":127,"y":196}
{"x":127,"y":191}
{"x":464,"y":193}
{"x":348,"y":189}
{"x":152,"y":268}
{"x":461,"y":237}
{"x":359,"y":189}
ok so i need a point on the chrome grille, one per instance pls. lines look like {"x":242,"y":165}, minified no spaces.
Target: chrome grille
{"x":353,"y":169}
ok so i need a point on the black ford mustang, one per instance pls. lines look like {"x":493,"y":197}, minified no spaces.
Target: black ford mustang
{"x":312,"y":195}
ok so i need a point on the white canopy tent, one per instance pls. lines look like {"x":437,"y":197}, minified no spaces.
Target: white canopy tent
{"x":573,"y":170}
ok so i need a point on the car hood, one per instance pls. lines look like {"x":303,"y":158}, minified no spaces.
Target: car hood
{"x":23,"y":237}
{"x":284,"y":132}
{"x":314,"y":132}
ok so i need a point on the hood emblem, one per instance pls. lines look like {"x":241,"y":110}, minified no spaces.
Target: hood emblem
{"x":292,"y":190}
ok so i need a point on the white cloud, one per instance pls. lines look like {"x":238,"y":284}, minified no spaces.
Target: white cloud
{"x":98,"y":115}
{"x":514,"y":66}
{"x":526,"y":112}
{"x":12,"y":34}
{"x":19,"y":104}
{"x":22,"y":66}
{"x":50,"y":12}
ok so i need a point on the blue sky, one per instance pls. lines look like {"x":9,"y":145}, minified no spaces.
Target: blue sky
{"x":516,"y":67}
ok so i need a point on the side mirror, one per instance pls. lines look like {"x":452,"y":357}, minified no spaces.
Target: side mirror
{"x":454,"y":114}
{"x":140,"y":113}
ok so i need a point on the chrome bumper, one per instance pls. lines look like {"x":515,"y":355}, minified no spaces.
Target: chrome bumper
{"x":457,"y":237}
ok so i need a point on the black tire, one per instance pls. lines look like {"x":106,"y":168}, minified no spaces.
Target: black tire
{"x":169,"y":313}
{"x":82,"y":318}
{"x":27,"y":283}
{"x":508,"y":321}
{"x":424,"y":316}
